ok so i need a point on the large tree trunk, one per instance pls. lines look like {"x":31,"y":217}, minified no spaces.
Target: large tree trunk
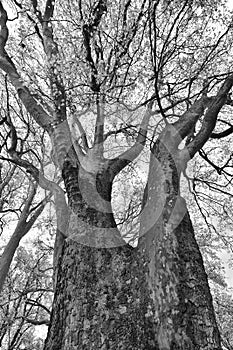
{"x":101,"y":301}
{"x":183,"y":310}
{"x":101,"y":298}
{"x":109,"y":295}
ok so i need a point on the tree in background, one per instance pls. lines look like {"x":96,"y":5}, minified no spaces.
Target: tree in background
{"x":25,"y":300}
{"x":89,"y":74}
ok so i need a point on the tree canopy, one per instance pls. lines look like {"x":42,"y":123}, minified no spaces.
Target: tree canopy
{"x":103,"y":92}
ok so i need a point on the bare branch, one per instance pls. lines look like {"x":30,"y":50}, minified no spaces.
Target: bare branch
{"x":59,"y":196}
{"x":118,"y":131}
{"x":205,"y":157}
{"x":117,"y":164}
{"x":35,"y":290}
{"x":22,"y":228}
{"x":210,"y":117}
{"x":88,"y":29}
{"x":75,"y":141}
{"x":75,"y":120}
{"x":99,"y":127}
{"x":31,"y":19}
{"x":187,"y":121}
{"x":4,"y":183}
{"x":49,"y":8}
{"x":62,"y":143}
{"x":222,"y":134}
{"x":52,"y":53}
{"x":37,"y":322}
{"x":83,"y":135}
{"x":37,"y":303}
{"x":31,"y":104}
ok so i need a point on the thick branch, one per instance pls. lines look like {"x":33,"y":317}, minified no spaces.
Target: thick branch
{"x":88,"y":30}
{"x":228,"y":131}
{"x":76,"y":121}
{"x":89,"y":58}
{"x":117,"y":164}
{"x":52,"y":53}
{"x":210,"y":117}
{"x":75,"y":141}
{"x":61,"y":138}
{"x":6,"y":64}
{"x":188,"y":120}
{"x":49,"y":8}
{"x":99,"y":128}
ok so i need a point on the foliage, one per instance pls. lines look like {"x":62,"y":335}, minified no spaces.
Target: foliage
{"x":25,"y":300}
{"x":100,"y":64}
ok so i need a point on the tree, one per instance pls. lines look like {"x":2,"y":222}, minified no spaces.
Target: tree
{"x":90,"y":71}
{"x":22,"y":228}
{"x":24,"y":300}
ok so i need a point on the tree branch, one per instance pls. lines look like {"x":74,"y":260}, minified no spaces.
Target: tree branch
{"x":4,"y":183}
{"x":210,"y":117}
{"x":75,"y":141}
{"x":222,"y":134}
{"x":118,"y":163}
{"x":37,"y":322}
{"x":118,"y":131}
{"x":59,"y":196}
{"x":49,"y":8}
{"x":52,"y":53}
{"x":22,"y":228}
{"x":205,"y":157}
{"x":36,"y":303}
{"x":83,"y":135}
{"x":99,"y":127}
{"x":31,"y":104}
{"x":88,"y":29}
{"x":187,"y":121}
{"x":35,"y":290}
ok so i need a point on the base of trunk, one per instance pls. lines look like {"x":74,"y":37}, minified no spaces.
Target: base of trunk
{"x":101,"y":301}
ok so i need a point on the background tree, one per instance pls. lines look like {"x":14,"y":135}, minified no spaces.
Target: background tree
{"x":21,"y":200}
{"x":25,"y":300}
{"x":86,"y":73}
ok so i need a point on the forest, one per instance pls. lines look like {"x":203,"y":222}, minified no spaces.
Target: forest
{"x":116,"y":171}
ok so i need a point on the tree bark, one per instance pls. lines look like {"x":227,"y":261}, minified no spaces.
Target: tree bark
{"x":109,"y":295}
{"x":183,"y":309}
{"x":101,"y":296}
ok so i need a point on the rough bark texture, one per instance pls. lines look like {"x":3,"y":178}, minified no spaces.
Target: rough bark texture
{"x":155,"y":296}
{"x":107,"y":294}
{"x":184,"y":313}
{"x":101,"y":301}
